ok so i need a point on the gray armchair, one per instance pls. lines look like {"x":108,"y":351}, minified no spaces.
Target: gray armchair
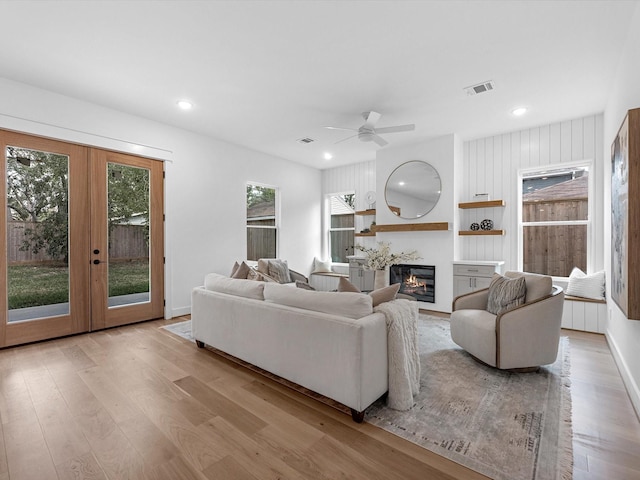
{"x":522,"y":338}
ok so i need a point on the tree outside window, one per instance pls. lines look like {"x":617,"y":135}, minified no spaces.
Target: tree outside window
{"x":262,"y":222}
{"x":555,"y":220}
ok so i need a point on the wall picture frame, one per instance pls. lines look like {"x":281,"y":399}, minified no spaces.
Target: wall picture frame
{"x":625,"y":216}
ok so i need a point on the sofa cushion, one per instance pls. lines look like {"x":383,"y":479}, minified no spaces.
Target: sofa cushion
{"x":505,"y":293}
{"x":350,"y":305}
{"x":538,"y":286}
{"x":586,"y":286}
{"x":234,"y":286}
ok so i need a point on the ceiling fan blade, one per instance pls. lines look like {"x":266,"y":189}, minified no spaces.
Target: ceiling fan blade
{"x":397,"y":128}
{"x":348,"y":138}
{"x":379,"y":140}
{"x":371,"y":119}
{"x":341,"y":128}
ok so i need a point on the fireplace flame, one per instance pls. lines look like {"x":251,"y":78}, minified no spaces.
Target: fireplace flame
{"x":412,"y":281}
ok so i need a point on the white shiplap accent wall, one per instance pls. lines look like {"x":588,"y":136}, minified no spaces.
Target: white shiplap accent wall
{"x":491,"y":164}
{"x":360,"y":177}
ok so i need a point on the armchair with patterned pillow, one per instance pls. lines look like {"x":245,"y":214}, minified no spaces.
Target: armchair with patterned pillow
{"x":512,"y":325}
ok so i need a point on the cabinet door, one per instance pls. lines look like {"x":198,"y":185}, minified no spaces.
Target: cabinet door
{"x":482,"y":282}
{"x":462,"y":285}
{"x":368,"y":280}
{"x":355,"y":276}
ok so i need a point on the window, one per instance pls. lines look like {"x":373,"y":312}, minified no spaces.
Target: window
{"x":554,"y":222}
{"x":262,"y":222}
{"x":341,"y":226}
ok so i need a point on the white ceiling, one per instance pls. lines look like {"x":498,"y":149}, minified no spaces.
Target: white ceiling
{"x":265,"y":73}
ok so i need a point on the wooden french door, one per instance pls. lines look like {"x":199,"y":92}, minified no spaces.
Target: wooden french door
{"x":126,"y":192}
{"x":81,"y":239}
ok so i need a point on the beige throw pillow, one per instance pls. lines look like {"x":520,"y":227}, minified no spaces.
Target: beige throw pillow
{"x":234,"y":269}
{"x":385,"y":294}
{"x":242,"y":271}
{"x":381,"y":295}
{"x":345,"y":285}
{"x":505,"y":293}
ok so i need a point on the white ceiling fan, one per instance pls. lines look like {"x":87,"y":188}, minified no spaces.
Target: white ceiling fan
{"x":369,"y":133}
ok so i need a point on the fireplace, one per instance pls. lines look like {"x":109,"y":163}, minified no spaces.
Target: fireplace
{"x":419,"y":281}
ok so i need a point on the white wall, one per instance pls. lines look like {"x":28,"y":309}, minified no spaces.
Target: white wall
{"x":491,"y":166}
{"x":204,"y":187}
{"x":435,"y":247}
{"x":623,"y":334}
{"x":360,"y":178}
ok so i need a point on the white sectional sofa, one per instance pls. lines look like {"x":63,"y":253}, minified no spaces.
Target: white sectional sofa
{"x":331,"y":343}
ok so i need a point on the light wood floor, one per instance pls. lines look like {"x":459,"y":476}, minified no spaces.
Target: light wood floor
{"x":137,"y":402}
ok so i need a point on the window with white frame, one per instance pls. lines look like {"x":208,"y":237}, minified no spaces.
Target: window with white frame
{"x":262,"y":222}
{"x":554,"y":219}
{"x":341,"y":226}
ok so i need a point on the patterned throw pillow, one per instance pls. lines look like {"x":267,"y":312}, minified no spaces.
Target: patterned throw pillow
{"x":255,"y":275}
{"x":505,"y":293}
{"x":279,"y":270}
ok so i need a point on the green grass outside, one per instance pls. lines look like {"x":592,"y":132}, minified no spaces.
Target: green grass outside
{"x":35,"y":285}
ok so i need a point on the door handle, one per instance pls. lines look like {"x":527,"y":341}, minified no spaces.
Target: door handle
{"x":96,"y":262}
{"x":96,"y":251}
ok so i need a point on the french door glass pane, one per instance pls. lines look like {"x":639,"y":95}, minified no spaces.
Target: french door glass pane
{"x":128,"y":227}
{"x":37,"y":234}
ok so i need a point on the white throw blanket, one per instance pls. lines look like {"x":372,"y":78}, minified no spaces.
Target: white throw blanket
{"x":402,"y":351}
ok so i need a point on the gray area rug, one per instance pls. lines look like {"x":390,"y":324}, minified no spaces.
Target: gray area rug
{"x":508,"y":426}
{"x":182,"y":329}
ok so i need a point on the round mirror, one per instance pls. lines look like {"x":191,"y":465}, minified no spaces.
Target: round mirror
{"x":412,"y":189}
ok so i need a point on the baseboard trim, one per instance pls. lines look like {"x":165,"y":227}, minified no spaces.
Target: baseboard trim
{"x":178,"y":312}
{"x":632,"y":387}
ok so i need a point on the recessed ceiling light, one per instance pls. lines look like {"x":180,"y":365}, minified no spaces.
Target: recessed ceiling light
{"x":401,"y":183}
{"x":185,"y":104}
{"x":519,"y":111}
{"x":327,"y":156}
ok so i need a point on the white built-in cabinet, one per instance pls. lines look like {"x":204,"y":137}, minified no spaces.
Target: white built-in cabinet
{"x":359,"y":276}
{"x":470,"y":275}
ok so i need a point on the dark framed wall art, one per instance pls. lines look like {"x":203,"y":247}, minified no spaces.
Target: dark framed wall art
{"x":625,"y":216}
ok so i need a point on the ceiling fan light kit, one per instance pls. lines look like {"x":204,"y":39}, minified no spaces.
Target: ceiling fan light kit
{"x":368,"y":131}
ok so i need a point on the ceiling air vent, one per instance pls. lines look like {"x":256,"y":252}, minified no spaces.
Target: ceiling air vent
{"x":480,"y":88}
{"x":305,"y":140}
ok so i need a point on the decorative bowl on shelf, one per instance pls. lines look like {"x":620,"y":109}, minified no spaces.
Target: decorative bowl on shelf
{"x":486,"y":224}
